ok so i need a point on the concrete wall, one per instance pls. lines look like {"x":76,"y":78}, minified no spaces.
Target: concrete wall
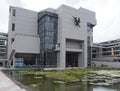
{"x":27,"y":44}
{"x":73,"y":44}
{"x":105,"y":58}
{"x":25,"y":34}
{"x":25,"y":21}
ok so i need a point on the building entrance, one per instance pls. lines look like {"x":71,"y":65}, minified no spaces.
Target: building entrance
{"x":71,"y":59}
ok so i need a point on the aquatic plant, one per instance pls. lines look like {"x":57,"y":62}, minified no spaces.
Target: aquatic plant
{"x":66,"y":75}
{"x":39,"y":77}
{"x":35,"y":84}
{"x":59,"y":82}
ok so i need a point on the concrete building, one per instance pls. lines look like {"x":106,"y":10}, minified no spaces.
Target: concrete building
{"x":52,"y":38}
{"x":106,"y":53}
{"x":3,"y":49}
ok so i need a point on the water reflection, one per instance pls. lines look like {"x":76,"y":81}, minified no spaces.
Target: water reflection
{"x":49,"y":85}
{"x":103,"y":89}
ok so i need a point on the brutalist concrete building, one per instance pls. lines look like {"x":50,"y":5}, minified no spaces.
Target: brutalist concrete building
{"x":51,"y":38}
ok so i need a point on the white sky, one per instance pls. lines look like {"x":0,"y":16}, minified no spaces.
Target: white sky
{"x":107,"y":14}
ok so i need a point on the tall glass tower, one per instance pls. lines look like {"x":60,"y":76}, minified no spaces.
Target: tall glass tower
{"x":47,"y":30}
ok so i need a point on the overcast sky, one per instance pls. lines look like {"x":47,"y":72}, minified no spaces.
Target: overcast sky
{"x":107,"y":14}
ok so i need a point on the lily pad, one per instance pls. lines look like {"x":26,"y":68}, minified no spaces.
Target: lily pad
{"x":38,"y":77}
{"x":59,"y":82}
{"x":35,"y":84}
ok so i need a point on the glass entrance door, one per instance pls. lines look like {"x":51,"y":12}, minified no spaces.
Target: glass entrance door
{"x":71,"y":59}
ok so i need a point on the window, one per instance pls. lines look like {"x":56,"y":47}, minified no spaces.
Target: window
{"x":14,"y":12}
{"x":2,"y":42}
{"x":13,"y":26}
{"x":2,"y":50}
{"x":12,"y":40}
{"x":94,"y":55}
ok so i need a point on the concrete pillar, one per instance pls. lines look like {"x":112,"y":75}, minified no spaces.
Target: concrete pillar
{"x":3,"y":64}
{"x":85,"y":53}
{"x":63,"y":53}
{"x":80,"y":60}
{"x":36,"y":61}
{"x":58,"y":59}
{"x":13,"y":62}
{"x":82,"y":57}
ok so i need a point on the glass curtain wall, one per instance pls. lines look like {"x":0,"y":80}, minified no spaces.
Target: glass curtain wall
{"x":25,"y":60}
{"x":47,"y":30}
{"x":89,"y":42}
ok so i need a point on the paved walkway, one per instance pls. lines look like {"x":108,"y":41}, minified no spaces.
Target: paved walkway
{"x":7,"y":85}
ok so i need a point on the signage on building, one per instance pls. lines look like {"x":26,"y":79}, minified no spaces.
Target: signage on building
{"x":76,"y":21}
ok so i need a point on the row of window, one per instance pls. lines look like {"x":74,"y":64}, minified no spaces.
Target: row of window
{"x":47,"y":26}
{"x":2,"y":50}
{"x":3,"y":55}
{"x":24,"y":61}
{"x":3,"y":42}
{"x":48,"y":33}
{"x":47,"y":19}
{"x":3,"y":35}
{"x":105,"y":49}
{"x":13,"y":26}
{"x":13,"y":14}
{"x":105,"y":54}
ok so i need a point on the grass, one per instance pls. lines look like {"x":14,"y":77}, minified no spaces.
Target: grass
{"x":62,"y":75}
{"x":68,"y":74}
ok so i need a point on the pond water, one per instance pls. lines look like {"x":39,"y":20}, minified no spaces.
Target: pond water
{"x":48,"y":85}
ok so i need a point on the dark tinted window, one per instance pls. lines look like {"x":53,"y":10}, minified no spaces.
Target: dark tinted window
{"x":13,"y":26}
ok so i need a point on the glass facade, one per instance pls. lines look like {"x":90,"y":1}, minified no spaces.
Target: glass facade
{"x":19,"y":62}
{"x":71,"y":59}
{"x":3,"y":35}
{"x":25,"y":60}
{"x":105,"y":50}
{"x":3,"y":46}
{"x":47,"y":30}
{"x":89,"y":42}
{"x":2,"y":42}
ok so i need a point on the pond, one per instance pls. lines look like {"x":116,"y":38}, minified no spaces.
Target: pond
{"x":38,"y":83}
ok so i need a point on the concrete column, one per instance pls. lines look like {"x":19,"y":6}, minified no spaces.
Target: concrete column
{"x":3,"y":64}
{"x":82,"y":57}
{"x":36,"y":61}
{"x":80,"y":60}
{"x":63,"y":53}
{"x":85,"y":53}
{"x":58,"y":59}
{"x":13,"y":62}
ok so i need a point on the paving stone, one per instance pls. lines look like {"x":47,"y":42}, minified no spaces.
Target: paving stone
{"x":7,"y":84}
